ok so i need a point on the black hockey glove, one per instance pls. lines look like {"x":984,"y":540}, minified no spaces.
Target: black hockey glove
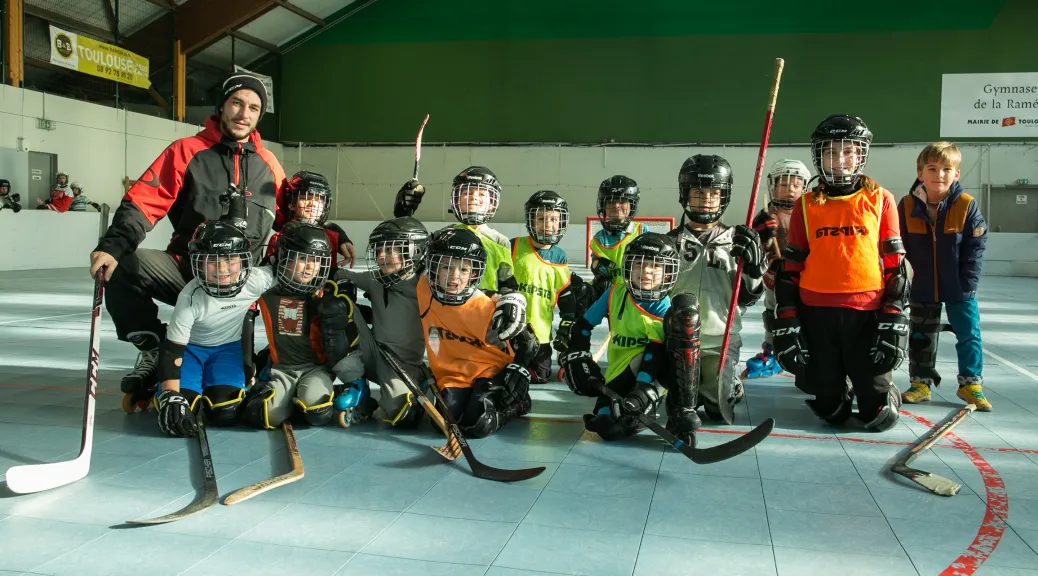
{"x":766,"y":226}
{"x":643,"y":399}
{"x":790,"y":345}
{"x":891,"y":346}
{"x":746,"y":247}
{"x":175,"y":416}
{"x":509,"y":315}
{"x":602,"y":269}
{"x":562,"y":336}
{"x":408,"y":198}
{"x":581,"y":372}
{"x":339,"y":334}
{"x":515,"y":384}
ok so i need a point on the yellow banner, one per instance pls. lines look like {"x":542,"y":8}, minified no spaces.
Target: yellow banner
{"x":86,"y":55}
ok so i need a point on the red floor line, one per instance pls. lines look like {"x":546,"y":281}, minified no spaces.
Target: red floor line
{"x":993,"y":526}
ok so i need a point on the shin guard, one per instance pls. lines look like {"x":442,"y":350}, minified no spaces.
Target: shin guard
{"x":922,"y":345}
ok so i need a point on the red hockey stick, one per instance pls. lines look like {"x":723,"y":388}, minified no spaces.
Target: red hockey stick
{"x":727,"y":410}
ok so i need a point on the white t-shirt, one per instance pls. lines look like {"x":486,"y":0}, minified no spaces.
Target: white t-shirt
{"x":201,"y":319}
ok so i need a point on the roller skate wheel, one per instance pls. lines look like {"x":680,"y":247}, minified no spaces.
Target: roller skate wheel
{"x":129,"y":404}
{"x":344,"y":419}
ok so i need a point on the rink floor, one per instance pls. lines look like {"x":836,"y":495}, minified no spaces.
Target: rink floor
{"x":811,"y":499}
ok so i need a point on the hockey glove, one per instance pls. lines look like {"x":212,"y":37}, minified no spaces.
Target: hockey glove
{"x":581,"y":372}
{"x":642,"y":399}
{"x":766,"y":226}
{"x":339,"y":334}
{"x":790,"y":345}
{"x":408,"y":198}
{"x":774,"y":269}
{"x":515,"y":384}
{"x":891,"y":346}
{"x":175,"y":416}
{"x":746,"y":247}
{"x":602,"y":268}
{"x":509,"y":315}
{"x":562,"y":336}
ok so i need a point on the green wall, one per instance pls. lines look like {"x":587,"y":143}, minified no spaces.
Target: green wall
{"x":641,"y":71}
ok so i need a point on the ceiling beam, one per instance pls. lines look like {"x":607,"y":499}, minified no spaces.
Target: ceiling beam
{"x":110,"y":16}
{"x":169,"y":5}
{"x":200,"y":22}
{"x":255,"y":41}
{"x":66,"y":22}
{"x":299,"y":11}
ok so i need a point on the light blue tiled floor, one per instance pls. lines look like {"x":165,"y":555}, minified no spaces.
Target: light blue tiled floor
{"x":809,"y":500}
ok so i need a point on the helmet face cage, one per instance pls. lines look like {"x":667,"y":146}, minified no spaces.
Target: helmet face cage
{"x":453,"y":279}
{"x":474,"y":203}
{"x":649,"y":277}
{"x":614,"y":226}
{"x":210,"y":265}
{"x":302,"y":273}
{"x":697,"y":199}
{"x":840,"y":161}
{"x":311,"y":204}
{"x":556,"y":217}
{"x":393,"y":260}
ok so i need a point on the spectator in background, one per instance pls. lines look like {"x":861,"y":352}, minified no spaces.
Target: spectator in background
{"x":79,"y":201}
{"x":60,"y":196}
{"x":8,"y":200}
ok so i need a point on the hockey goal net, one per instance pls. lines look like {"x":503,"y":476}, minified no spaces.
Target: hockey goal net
{"x":660,"y":225}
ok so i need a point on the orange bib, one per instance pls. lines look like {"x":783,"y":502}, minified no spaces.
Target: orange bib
{"x":455,"y":339}
{"x":843,"y":239}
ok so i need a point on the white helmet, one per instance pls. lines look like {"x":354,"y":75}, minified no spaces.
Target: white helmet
{"x":76,"y":185}
{"x":785,"y":168}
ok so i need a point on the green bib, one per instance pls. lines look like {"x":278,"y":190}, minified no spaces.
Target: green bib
{"x":540,"y":282}
{"x":496,"y":254}
{"x":630,"y":329}
{"x":615,"y":252}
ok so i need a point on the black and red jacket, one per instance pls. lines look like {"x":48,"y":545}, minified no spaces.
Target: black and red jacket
{"x":185,"y":184}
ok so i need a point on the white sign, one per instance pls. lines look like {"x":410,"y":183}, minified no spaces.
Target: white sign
{"x":1021,"y":198}
{"x":268,"y":83}
{"x":989,"y":105}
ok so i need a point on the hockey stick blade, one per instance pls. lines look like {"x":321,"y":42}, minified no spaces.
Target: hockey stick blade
{"x":937,"y":484}
{"x":39,"y":477}
{"x":296,"y":473}
{"x":418,"y":148}
{"x":479,"y":469}
{"x":209,"y":497}
{"x":709,"y":455}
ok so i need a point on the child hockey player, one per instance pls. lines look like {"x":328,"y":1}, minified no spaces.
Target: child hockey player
{"x":787,"y":180}
{"x":617,"y":206}
{"x":396,"y":259}
{"x":475,"y":196}
{"x":9,"y":200}
{"x":710,"y":254}
{"x":646,"y":351}
{"x":841,"y":297}
{"x":201,"y":356}
{"x":79,"y":201}
{"x":945,"y":237}
{"x":309,"y":199}
{"x":542,"y":273}
{"x":298,"y":376}
{"x":479,"y":368}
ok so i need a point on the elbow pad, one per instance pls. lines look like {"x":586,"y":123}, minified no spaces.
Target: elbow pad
{"x":171,"y":356}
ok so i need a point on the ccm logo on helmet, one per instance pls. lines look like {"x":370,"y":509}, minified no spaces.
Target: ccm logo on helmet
{"x":842,"y":231}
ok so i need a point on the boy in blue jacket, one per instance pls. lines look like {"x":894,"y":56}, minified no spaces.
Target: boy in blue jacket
{"x":945,"y":237}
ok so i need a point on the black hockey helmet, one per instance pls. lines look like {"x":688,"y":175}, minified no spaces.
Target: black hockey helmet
{"x":701,"y":172}
{"x":303,"y":250}
{"x":840,"y":133}
{"x":538,"y":206}
{"x":644,"y":253}
{"x":310,"y":187}
{"x":405,"y":237}
{"x":613,"y":189}
{"x":5,"y":186}
{"x":470,"y":180}
{"x":220,"y":258}
{"x":452,"y":252}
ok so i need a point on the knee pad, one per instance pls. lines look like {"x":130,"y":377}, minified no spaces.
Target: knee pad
{"x":833,"y":410}
{"x":257,"y":406}
{"x":222,"y":404}
{"x":318,"y":414}
{"x":888,"y":414}
{"x":408,"y":416}
{"x":483,"y":415}
{"x":922,"y":345}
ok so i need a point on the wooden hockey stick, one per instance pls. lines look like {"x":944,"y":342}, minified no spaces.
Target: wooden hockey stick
{"x":296,"y":473}
{"x":727,"y":410}
{"x":937,"y":484}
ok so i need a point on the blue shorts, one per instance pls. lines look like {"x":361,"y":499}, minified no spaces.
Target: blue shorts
{"x":206,"y":366}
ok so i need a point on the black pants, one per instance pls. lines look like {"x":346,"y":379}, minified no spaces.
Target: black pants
{"x":540,"y":364}
{"x":141,"y":278}
{"x":839,"y":340}
{"x":467,"y":404}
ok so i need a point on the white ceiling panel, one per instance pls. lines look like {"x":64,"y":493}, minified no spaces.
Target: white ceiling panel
{"x":322,"y":8}
{"x":219,"y":54}
{"x":277,"y":26}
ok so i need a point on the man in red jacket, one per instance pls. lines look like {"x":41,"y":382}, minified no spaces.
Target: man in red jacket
{"x":188,"y":184}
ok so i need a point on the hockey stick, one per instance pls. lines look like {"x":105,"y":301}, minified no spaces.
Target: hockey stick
{"x":418,"y":148}
{"x":479,"y":469}
{"x":698,"y":455}
{"x":39,"y":477}
{"x":932,"y":482}
{"x":727,"y":410}
{"x":209,"y":497}
{"x":296,"y":473}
